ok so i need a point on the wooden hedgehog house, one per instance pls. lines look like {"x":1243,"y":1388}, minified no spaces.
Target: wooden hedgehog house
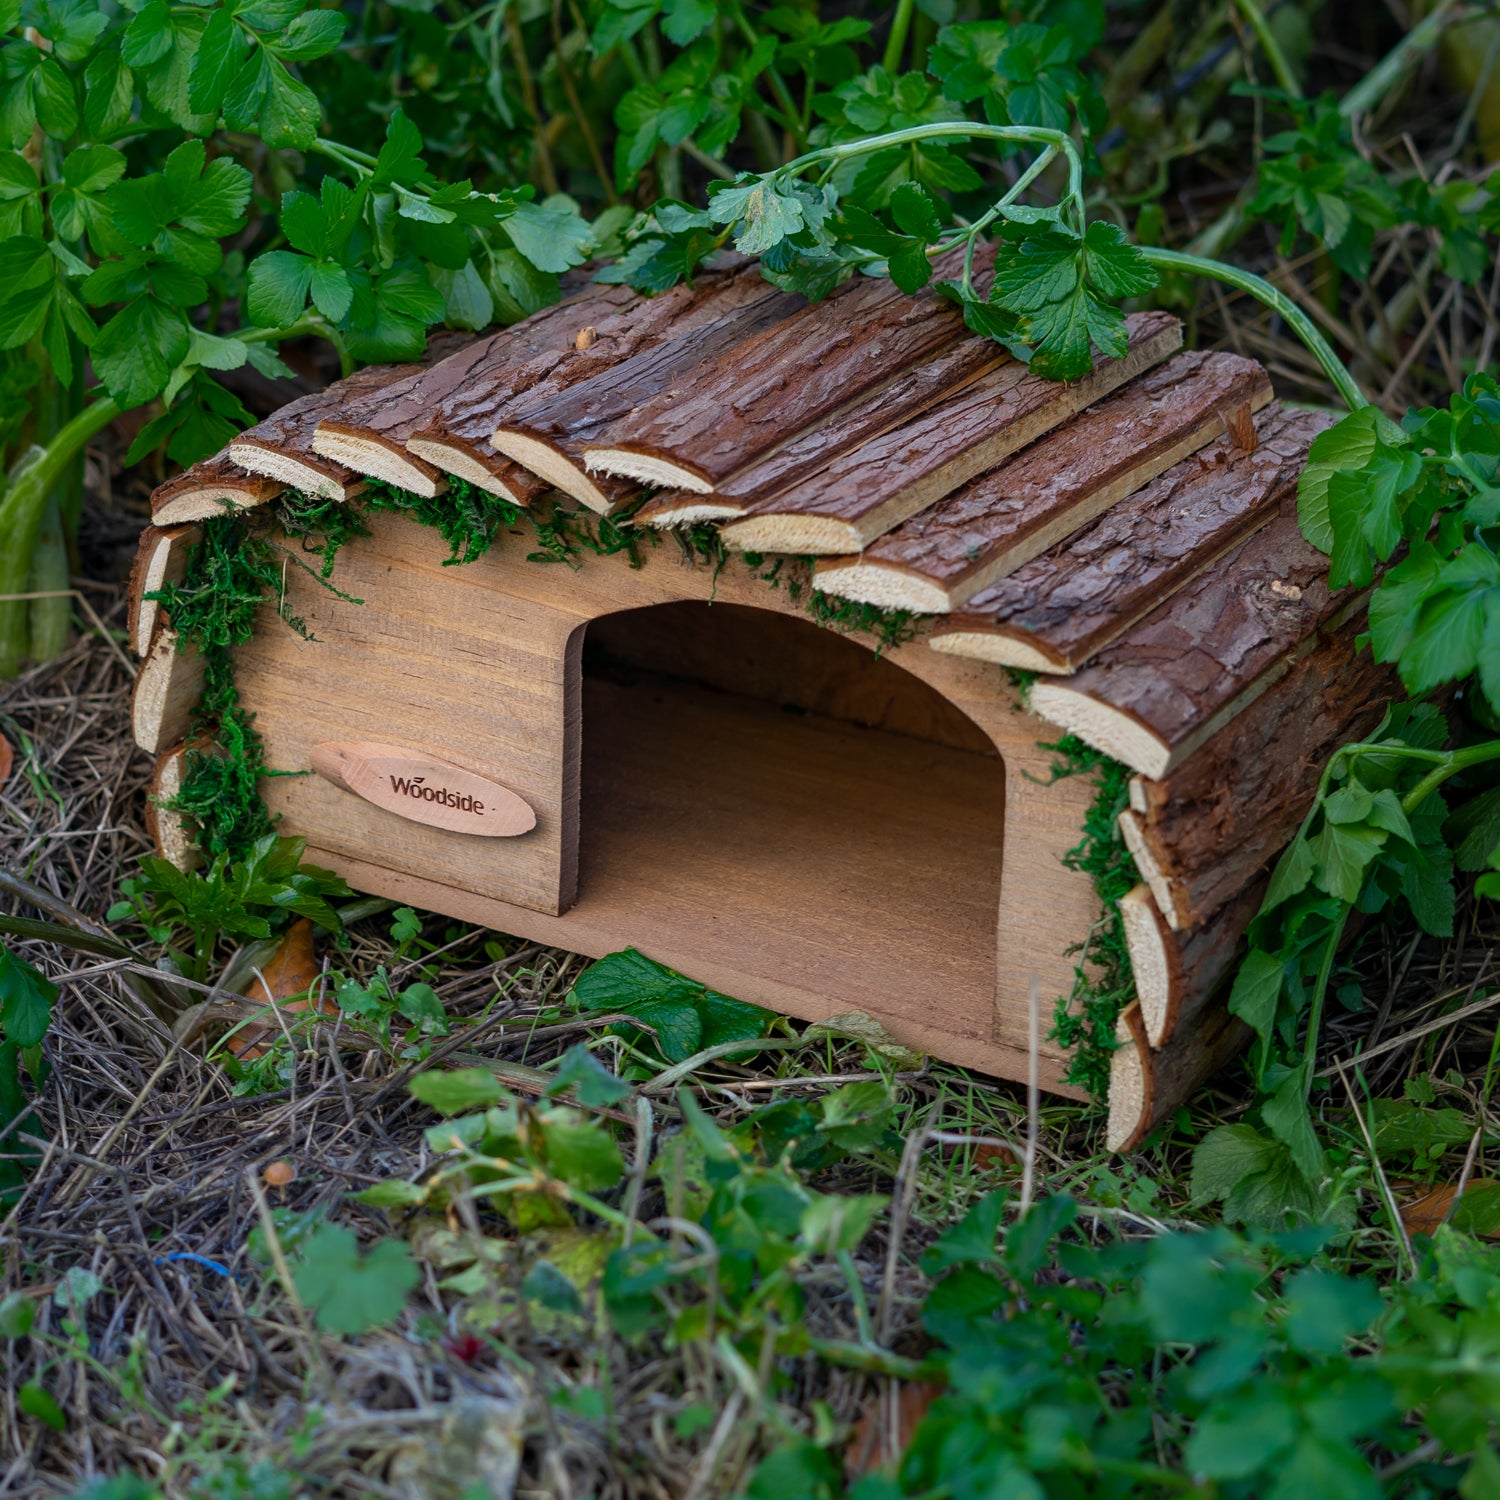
{"x":657,"y":747}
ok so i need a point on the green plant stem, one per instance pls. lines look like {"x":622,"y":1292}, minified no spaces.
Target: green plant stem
{"x":1255,"y":18}
{"x":1374,"y":86}
{"x":23,"y":508}
{"x":1274,"y":298}
{"x":895,"y":43}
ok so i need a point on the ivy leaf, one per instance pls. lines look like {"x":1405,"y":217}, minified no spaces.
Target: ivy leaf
{"x":350,"y":1292}
{"x":26,"y":1000}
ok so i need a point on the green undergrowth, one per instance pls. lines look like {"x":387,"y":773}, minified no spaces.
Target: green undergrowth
{"x":240,"y":563}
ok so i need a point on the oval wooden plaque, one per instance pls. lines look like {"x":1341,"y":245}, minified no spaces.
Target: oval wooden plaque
{"x":423,"y":789}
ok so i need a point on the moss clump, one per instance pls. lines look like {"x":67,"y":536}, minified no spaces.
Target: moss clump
{"x":1084,"y":1019}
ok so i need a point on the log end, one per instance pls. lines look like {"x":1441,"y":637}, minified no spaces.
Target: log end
{"x":881,"y":584}
{"x":378,"y":458}
{"x":557,"y":468}
{"x":169,"y":829}
{"x":160,"y":560}
{"x":1164,"y":892}
{"x":1025,"y":653}
{"x":655,"y":469}
{"x":1148,"y":941}
{"x":166,"y":692}
{"x":491,"y":473}
{"x":1105,"y":727}
{"x":178,"y":504}
{"x":1131,"y":1084}
{"x":686,"y":508}
{"x":328,"y":480}
{"x":797,"y":535}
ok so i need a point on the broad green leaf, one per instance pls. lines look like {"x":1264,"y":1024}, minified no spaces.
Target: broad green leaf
{"x":35,"y":1401}
{"x":467,"y":300}
{"x":1293,"y":871}
{"x":26,"y":1000}
{"x":279,"y":284}
{"x":550,"y":235}
{"x":458,"y":1090}
{"x":1343,"y":853}
{"x":583,"y":1076}
{"x":332,"y":293}
{"x":623,"y":979}
{"x":149,"y":37}
{"x":219,"y":56}
{"x":1325,"y":1310}
{"x":1446,"y":641}
{"x":138,"y":348}
{"x":313,"y":34}
{"x":580,"y":1152}
{"x":1257,"y":990}
{"x":108,"y":89}
{"x":1244,"y":1434}
{"x":1347,"y":445}
{"x":350,"y":1292}
{"x":916,"y":212}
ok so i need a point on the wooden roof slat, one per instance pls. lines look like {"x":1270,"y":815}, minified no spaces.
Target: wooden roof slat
{"x":806,"y":370}
{"x":862,"y":495}
{"x":1170,"y":683}
{"x":209,"y":488}
{"x":665,"y":345}
{"x":368,"y":434}
{"x":1060,"y":609}
{"x":281,"y":447}
{"x":941,"y":558}
{"x":1204,"y":832}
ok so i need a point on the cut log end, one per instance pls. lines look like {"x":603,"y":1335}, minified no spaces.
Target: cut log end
{"x":295,"y":473}
{"x":1130,"y":1085}
{"x":1146,"y":941}
{"x":1003,"y":649}
{"x":684,"y":508}
{"x":799,"y":535}
{"x":882,"y":585}
{"x":208,"y":500}
{"x":160,"y":559}
{"x":1105,"y":727}
{"x":167,"y":690}
{"x":169,"y":829}
{"x":496,"y":477}
{"x":654,"y":469}
{"x":378,"y":460}
{"x":554,"y":466}
{"x":1132,"y":830}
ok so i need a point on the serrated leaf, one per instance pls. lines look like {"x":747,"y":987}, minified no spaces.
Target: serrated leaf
{"x":279,"y":284}
{"x":1257,"y":990}
{"x":350,"y":1292}
{"x":26,"y":1000}
{"x":313,"y":34}
{"x":331,"y":291}
{"x":219,"y":56}
{"x":138,"y":348}
{"x":916,"y":212}
{"x":552,"y":237}
{"x":458,"y":1090}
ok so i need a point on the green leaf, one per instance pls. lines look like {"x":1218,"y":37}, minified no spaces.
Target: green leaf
{"x":56,"y":100}
{"x":623,"y":979}
{"x":36,"y":1402}
{"x":678,"y":1026}
{"x":108,"y":89}
{"x":313,"y":34}
{"x":458,"y":1090}
{"x":1325,"y":1310}
{"x":974,"y":1240}
{"x":764,"y":215}
{"x":348,"y":1292}
{"x":17,"y":1314}
{"x":551,"y":236}
{"x":587,"y":1079}
{"x":545,"y":1285}
{"x":916,"y":212}
{"x":1257,"y":990}
{"x":279,"y":284}
{"x":1293,"y":871}
{"x":726,"y":1020}
{"x":138,"y":348}
{"x":26,"y":1000}
{"x":149,"y":37}
{"x":332,"y":293}
{"x":1343,"y":852}
{"x":1347,"y":445}
{"x":466,"y":299}
{"x":1225,"y":1157}
{"x":219,"y":56}
{"x":580,"y":1152}
{"x":1243,"y":1435}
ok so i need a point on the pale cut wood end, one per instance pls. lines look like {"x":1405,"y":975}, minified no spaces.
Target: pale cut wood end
{"x":1004,"y":650}
{"x":650,"y":468}
{"x":209,"y":500}
{"x":160,"y":560}
{"x":1130,"y":1084}
{"x":882,"y":585}
{"x":307,"y":479}
{"x":169,"y":829}
{"x":167,"y":690}
{"x":1147,"y":940}
{"x":555,"y":466}
{"x":378,"y":460}
{"x":679,"y":508}
{"x":800,"y":535}
{"x":1151,"y":871}
{"x":1105,"y":727}
{"x":463,"y":465}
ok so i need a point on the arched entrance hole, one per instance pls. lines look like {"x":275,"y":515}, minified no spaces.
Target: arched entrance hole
{"x":811,"y":826}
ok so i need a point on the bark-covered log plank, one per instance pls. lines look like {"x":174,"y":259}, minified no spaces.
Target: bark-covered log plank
{"x":160,"y":559}
{"x":1213,"y":826}
{"x":1170,"y":683}
{"x":757,"y":397}
{"x":861,"y":496}
{"x":167,"y":690}
{"x":210,"y":488}
{"x":1147,"y":1087}
{"x":281,"y":447}
{"x":633,"y":356}
{"x":370,"y":434}
{"x":939,"y":559}
{"x":1061,"y":608}
{"x":919,"y":388}
{"x":1176,"y":973}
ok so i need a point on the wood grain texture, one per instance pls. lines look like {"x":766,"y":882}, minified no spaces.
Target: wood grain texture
{"x":369,"y":433}
{"x":1177,"y":973}
{"x":1213,"y":826}
{"x":1062,"y":608}
{"x":281,"y":447}
{"x":482,"y":666}
{"x":160,"y":559}
{"x":761,"y":394}
{"x":167,"y":690}
{"x":1147,"y":1087}
{"x":664,"y":347}
{"x":209,"y":488}
{"x":939,"y":559}
{"x":1171,"y":682}
{"x":865,"y":493}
